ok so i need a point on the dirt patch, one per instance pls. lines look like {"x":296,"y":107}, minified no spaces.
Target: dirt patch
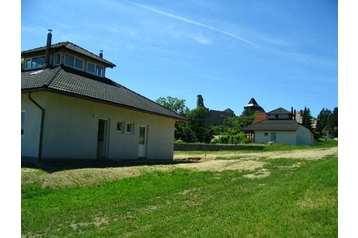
{"x":248,"y":161}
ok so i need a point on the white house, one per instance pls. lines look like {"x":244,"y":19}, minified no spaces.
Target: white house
{"x":280,"y":127}
{"x":69,"y":109}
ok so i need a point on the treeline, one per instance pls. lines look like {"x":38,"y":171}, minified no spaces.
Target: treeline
{"x":230,"y":132}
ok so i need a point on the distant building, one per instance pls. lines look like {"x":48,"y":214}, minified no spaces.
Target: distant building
{"x":215,"y":117}
{"x":251,"y":108}
{"x":280,"y":126}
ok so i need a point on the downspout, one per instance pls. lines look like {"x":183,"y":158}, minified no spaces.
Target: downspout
{"x":41,"y":126}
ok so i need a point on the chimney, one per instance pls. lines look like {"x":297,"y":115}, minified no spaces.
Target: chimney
{"x":48,"y":46}
{"x":101,"y":54}
{"x":292,"y":113}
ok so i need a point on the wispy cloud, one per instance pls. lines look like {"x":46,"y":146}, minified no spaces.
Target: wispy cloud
{"x":189,"y":21}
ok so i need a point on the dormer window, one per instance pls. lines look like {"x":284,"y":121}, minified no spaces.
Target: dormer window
{"x":99,"y":70}
{"x":73,"y":62}
{"x":283,"y":116}
{"x":57,"y":59}
{"x":34,"y":63}
{"x":95,"y":69}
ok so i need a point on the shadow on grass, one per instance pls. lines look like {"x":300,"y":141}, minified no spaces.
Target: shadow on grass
{"x":54,"y":165}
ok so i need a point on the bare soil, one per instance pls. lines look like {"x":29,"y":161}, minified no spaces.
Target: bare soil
{"x":243,"y":161}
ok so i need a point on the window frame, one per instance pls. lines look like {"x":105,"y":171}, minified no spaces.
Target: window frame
{"x":32,"y":61}
{"x":121,"y":130}
{"x":73,"y":64}
{"x":130,"y":128}
{"x":56,"y":57}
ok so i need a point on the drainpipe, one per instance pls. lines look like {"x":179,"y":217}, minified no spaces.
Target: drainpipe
{"x":42,"y":125}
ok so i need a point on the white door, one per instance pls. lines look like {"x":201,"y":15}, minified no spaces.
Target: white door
{"x":142,"y":149}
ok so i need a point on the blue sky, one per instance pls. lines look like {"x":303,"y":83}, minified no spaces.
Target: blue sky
{"x":282,"y":53}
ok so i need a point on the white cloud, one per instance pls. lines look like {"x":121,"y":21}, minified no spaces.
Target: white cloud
{"x":189,"y":21}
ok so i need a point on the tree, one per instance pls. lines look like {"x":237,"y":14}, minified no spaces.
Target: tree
{"x":306,"y":118}
{"x":200,"y":131}
{"x":333,"y":122}
{"x":328,"y":122}
{"x":174,"y":104}
{"x":234,"y":125}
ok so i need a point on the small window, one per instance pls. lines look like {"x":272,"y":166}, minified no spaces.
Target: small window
{"x":57,"y":59}
{"x":130,"y":128}
{"x":69,"y":60}
{"x":283,"y":116}
{"x":266,"y":134}
{"x":90,"y":67}
{"x":120,"y":126}
{"x":34,"y":63}
{"x":22,"y":122}
{"x":78,"y":63}
{"x":99,"y":70}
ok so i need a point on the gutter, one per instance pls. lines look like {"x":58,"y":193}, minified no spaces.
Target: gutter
{"x":41,"y":127}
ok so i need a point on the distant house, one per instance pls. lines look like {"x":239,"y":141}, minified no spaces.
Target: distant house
{"x":280,"y":127}
{"x":69,"y":109}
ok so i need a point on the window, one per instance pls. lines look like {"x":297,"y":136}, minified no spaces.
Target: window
{"x":78,"y":63}
{"x":266,"y":134}
{"x":73,"y":62}
{"x":283,"y":116}
{"x":95,"y":69}
{"x":120,"y":126}
{"x":99,"y":70}
{"x":34,"y":63}
{"x":57,"y":59}
{"x":130,"y":128}
{"x":90,"y":67}
{"x":22,"y":122}
{"x":69,"y":60}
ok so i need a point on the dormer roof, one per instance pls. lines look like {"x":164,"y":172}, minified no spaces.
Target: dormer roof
{"x":279,"y":110}
{"x":71,"y":47}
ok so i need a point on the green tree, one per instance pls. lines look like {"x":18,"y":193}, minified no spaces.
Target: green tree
{"x":306,"y":118}
{"x":328,"y":121}
{"x":234,"y":125}
{"x":182,"y":130}
{"x":200,"y":131}
{"x":174,"y":104}
{"x":333,"y":122}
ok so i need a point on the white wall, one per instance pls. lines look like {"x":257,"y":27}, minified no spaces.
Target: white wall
{"x":71,"y":127}
{"x":304,"y":136}
{"x":31,"y":137}
{"x":282,"y":137}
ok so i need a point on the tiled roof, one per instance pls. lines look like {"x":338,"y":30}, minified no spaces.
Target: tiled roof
{"x":260,"y":116}
{"x":273,"y":125}
{"x":72,"y":47}
{"x":66,"y":80}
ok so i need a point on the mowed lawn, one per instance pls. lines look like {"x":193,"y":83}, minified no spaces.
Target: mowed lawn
{"x":299,"y":198}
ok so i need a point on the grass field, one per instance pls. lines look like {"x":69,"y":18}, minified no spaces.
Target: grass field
{"x":298,"y":199}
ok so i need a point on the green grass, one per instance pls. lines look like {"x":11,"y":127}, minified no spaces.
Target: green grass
{"x":322,"y":143}
{"x":298,"y":199}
